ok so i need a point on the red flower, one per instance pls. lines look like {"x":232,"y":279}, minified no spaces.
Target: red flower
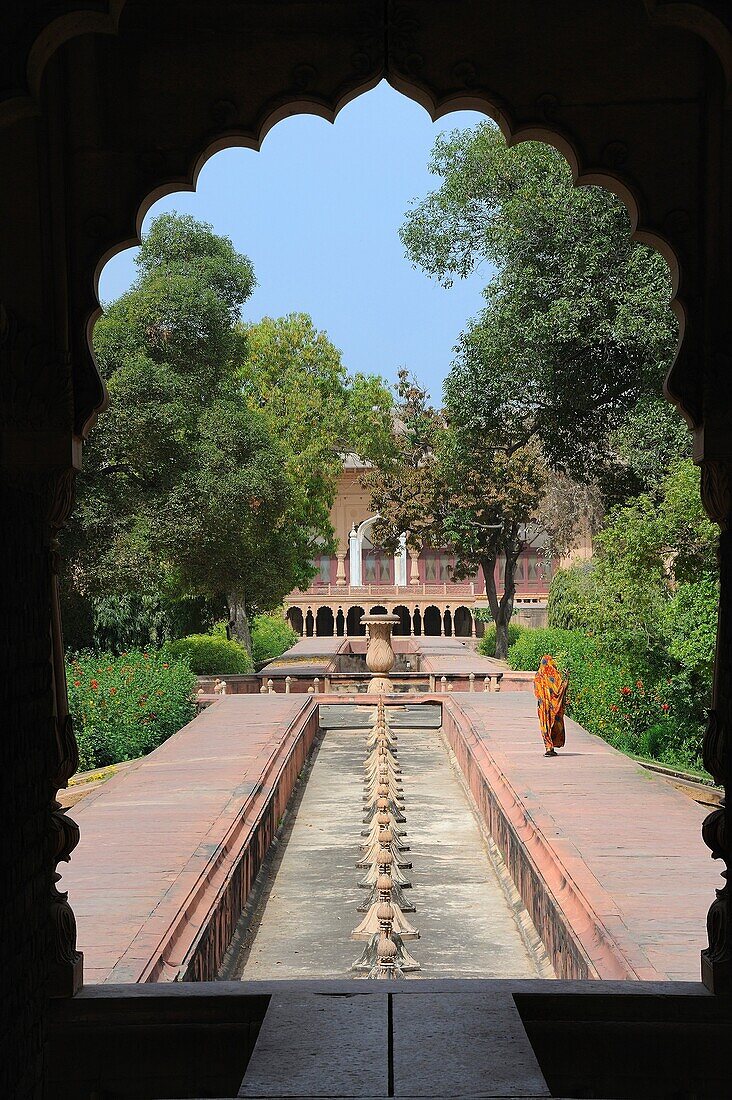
{"x":94,"y":685}
{"x":626,"y":691}
{"x":664,"y":706}
{"x":113,"y":691}
{"x":639,"y":683}
{"x":77,"y":683}
{"x":613,"y":707}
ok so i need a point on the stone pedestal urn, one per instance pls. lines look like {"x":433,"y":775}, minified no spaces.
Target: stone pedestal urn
{"x":379,"y":654}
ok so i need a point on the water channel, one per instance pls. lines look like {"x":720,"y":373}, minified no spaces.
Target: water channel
{"x":304,"y":906}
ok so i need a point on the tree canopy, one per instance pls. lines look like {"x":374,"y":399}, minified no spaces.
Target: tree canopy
{"x":575,"y":336}
{"x":213,"y":470}
{"x":294,"y":377}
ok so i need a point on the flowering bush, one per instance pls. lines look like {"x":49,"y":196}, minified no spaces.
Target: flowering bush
{"x":639,"y":715}
{"x":127,"y":705}
{"x":642,"y":714}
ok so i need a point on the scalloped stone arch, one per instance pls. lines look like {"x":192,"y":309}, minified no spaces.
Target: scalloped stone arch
{"x":611,"y":181}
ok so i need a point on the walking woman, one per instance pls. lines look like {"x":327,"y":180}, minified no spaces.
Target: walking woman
{"x":550,"y":688}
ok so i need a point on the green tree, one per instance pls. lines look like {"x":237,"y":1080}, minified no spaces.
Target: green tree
{"x":577,"y":326}
{"x":406,"y":488}
{"x":185,"y":489}
{"x":441,"y":491}
{"x":293,"y":376}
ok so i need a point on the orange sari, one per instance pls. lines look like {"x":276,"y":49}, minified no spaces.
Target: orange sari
{"x":550,"y":688}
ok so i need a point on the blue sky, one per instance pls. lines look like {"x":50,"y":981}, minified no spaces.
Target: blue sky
{"x":318,"y":211}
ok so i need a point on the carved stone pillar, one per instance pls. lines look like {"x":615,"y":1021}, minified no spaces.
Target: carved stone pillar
{"x":414,"y":567}
{"x":716,"y":960}
{"x":341,"y":568}
{"x":66,"y":976}
{"x":40,"y":466}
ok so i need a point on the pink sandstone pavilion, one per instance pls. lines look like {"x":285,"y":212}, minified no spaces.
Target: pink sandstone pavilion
{"x":361,"y":579}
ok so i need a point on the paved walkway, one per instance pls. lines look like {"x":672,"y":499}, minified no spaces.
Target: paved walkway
{"x":154,"y":838}
{"x":624,"y":836}
{"x":149,"y":834}
{"x":301,"y":927}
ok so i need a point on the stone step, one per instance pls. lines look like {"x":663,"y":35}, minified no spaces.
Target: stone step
{"x":315,"y":1045}
{"x":462,"y":1045}
{"x":402,"y":1044}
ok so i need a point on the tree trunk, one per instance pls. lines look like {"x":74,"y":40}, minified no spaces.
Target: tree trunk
{"x":502,"y":610}
{"x":238,"y":622}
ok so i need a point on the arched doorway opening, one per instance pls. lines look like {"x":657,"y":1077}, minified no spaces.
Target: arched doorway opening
{"x":295,"y":619}
{"x":417,"y":619}
{"x":463,"y":623}
{"x":324,"y":622}
{"x":379,"y":609}
{"x":405,"y":620}
{"x":340,"y":622}
{"x":309,"y":623}
{"x":448,"y":622}
{"x":432,"y":623}
{"x":354,"y":627}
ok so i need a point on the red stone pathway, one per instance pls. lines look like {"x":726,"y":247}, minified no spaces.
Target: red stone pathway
{"x":619,"y":848}
{"x":151,"y":833}
{"x":624,"y":837}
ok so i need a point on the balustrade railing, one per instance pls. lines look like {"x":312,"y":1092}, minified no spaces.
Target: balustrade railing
{"x":392,"y":591}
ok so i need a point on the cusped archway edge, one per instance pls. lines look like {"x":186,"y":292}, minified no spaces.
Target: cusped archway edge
{"x":142,"y":101}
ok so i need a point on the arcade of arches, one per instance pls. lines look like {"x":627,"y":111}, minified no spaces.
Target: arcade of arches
{"x":329,"y":621}
{"x":416,"y":585}
{"x":107,"y":105}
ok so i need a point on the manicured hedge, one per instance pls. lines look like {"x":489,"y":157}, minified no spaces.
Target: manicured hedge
{"x":487,"y":644}
{"x":211,"y":654}
{"x":125,"y":706}
{"x":271,"y":636}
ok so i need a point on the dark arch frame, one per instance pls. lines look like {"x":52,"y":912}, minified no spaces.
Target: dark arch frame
{"x":105,"y":196}
{"x":462,"y":617}
{"x":405,"y":620}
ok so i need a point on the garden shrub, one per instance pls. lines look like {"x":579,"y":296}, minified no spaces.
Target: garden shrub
{"x":125,"y":706}
{"x":487,"y":644}
{"x":571,"y":597}
{"x":271,"y":636}
{"x":212,"y":654}
{"x":635,"y":711}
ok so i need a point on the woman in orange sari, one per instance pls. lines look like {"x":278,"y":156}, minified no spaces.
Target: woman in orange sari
{"x":550,"y":688}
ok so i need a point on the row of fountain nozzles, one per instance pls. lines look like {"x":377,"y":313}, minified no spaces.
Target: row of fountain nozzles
{"x":385,"y":856}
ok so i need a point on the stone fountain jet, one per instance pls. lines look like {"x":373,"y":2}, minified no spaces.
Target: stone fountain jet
{"x":379,"y":653}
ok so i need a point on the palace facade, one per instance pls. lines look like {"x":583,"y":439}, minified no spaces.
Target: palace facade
{"x":418,"y":587}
